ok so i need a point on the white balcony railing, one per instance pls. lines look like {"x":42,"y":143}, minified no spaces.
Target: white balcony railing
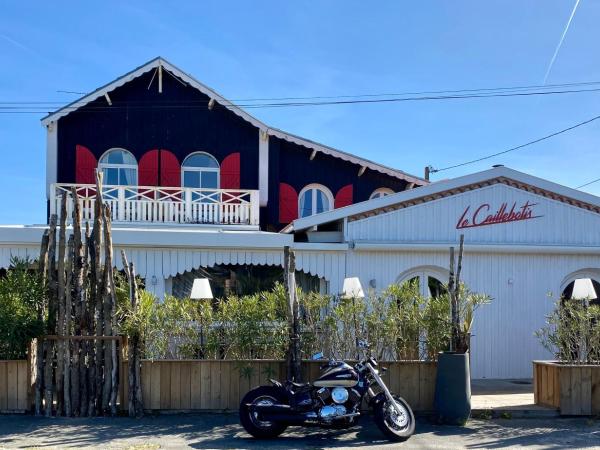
{"x":147,"y":204}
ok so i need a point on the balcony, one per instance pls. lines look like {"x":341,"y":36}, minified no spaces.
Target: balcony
{"x":163,"y":205}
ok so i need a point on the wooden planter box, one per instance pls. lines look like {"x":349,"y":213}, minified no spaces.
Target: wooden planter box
{"x":219,"y":385}
{"x":215,"y":385}
{"x":14,"y":386}
{"x":572,"y":389}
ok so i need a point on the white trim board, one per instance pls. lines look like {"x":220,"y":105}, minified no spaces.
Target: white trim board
{"x":161,"y":62}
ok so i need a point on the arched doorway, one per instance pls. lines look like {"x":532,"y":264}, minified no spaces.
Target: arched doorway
{"x":566,"y":288}
{"x":429,"y":278}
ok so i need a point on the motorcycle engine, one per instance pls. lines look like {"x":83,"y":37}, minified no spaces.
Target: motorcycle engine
{"x":330,"y":411}
{"x":340,"y":395}
{"x":337,"y":402}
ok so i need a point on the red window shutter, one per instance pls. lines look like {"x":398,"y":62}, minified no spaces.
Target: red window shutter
{"x":288,"y":203}
{"x":85,"y":165}
{"x":344,"y":196}
{"x":230,"y":172}
{"x":170,"y":170}
{"x":148,"y":169}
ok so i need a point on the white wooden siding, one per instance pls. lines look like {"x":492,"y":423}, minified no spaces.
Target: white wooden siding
{"x":504,"y":343}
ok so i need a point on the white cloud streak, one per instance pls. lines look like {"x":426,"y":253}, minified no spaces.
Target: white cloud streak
{"x":562,"y":38}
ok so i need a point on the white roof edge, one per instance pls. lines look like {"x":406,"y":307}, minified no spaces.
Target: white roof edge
{"x":440,"y":186}
{"x":107,"y":88}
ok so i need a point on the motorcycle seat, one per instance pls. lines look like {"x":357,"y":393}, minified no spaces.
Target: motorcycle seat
{"x":298,"y":385}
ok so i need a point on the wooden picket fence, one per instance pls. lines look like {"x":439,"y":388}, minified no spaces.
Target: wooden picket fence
{"x":219,"y":385}
{"x":215,"y":385}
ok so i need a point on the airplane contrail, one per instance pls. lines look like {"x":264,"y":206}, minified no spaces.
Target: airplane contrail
{"x":562,"y":38}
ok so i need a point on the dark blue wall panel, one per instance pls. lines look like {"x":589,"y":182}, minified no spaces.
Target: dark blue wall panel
{"x":141,"y":119}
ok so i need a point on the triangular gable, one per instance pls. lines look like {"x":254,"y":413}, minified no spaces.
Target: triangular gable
{"x":186,"y":78}
{"x":459,"y":190}
{"x":497,"y":213}
{"x":450,"y":187}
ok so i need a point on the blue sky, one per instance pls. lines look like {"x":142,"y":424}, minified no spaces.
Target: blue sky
{"x":279,"y":49}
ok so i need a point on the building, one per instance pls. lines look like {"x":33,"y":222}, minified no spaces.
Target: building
{"x":526,"y":241}
{"x":192,"y":179}
{"x":195,"y":183}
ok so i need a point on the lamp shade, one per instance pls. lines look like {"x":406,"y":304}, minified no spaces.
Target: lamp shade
{"x":201,"y":289}
{"x":583,"y":289}
{"x":352,"y":288}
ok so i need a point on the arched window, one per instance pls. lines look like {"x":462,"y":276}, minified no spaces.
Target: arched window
{"x":428,"y":278}
{"x":119,"y":168}
{"x":314,"y":199}
{"x":381,"y":192}
{"x":200,"y":170}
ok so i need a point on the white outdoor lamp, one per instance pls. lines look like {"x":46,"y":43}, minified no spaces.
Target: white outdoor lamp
{"x":352,"y":288}
{"x":201,"y":289}
{"x":583,"y":289}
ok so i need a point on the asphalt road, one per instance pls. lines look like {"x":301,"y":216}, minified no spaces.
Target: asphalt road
{"x":223,"y":431}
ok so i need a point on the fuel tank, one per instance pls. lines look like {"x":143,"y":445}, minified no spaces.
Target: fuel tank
{"x":339,"y":375}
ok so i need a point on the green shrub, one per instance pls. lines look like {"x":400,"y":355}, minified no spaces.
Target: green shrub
{"x":572,"y":332}
{"x":251,"y":326}
{"x":399,"y":323}
{"x":21,"y":297}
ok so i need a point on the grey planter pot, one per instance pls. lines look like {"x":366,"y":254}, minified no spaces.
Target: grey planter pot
{"x":453,"y":388}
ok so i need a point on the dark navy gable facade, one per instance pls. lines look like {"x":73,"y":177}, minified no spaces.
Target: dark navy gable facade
{"x":161,"y":129}
{"x":142,"y":119}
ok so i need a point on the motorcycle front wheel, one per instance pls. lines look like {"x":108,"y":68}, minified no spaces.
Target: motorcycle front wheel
{"x":252,"y":422}
{"x":397,"y":427}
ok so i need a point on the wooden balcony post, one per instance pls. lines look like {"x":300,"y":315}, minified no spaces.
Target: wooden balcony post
{"x":188,"y":204}
{"x":53,"y":188}
{"x":254,"y":208}
{"x":121,"y":203}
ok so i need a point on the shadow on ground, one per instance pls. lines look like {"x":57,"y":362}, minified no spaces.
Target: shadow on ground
{"x":223,"y":431}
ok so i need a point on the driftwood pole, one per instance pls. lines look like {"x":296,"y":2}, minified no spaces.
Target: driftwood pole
{"x":60,"y":297}
{"x":67,"y":329}
{"x":454,"y":293}
{"x":79,"y":407}
{"x":135,"y":400}
{"x":52,"y":293}
{"x":111,"y":384}
{"x":98,"y":288}
{"x":452,"y":300}
{"x":85,"y":319}
{"x":294,"y":356}
{"x":39,"y":347}
{"x":458,"y":337}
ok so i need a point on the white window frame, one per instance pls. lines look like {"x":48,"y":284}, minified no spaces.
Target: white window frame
{"x":200,"y":169}
{"x":383,"y":190}
{"x":320,"y":187}
{"x":102,"y":166}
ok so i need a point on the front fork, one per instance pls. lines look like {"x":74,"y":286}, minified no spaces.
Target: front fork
{"x":384,"y":388}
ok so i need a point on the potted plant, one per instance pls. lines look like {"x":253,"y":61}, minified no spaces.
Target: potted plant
{"x":453,"y":381}
{"x":572,"y":334}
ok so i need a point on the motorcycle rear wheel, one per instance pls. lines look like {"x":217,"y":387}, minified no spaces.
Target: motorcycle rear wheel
{"x":395,"y":427}
{"x":251,"y":422}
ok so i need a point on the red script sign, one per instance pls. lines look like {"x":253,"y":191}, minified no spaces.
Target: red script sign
{"x":482,"y":216}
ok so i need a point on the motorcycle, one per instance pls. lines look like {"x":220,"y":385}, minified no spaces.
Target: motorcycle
{"x":331,"y":401}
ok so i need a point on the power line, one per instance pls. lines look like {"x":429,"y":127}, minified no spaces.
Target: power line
{"x":33,"y":109}
{"x":588,"y":183}
{"x":580,"y":124}
{"x":480,"y":90}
